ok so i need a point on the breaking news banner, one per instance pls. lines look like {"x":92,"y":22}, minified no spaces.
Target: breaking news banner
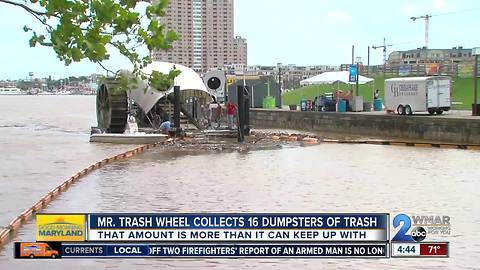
{"x":233,"y":235}
{"x":132,"y":250}
{"x":237,"y":227}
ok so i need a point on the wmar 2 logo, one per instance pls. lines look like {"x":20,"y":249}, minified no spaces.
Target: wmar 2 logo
{"x":423,"y":225}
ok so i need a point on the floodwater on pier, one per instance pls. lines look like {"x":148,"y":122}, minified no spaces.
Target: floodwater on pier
{"x":323,"y":178}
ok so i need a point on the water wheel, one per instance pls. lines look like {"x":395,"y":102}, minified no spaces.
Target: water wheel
{"x":112,"y":107}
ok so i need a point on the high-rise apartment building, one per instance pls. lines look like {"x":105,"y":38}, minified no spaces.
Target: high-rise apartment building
{"x":240,"y":50}
{"x":206,"y":35}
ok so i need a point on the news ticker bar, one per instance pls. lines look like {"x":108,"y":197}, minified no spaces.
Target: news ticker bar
{"x":213,"y":227}
{"x":424,"y":249}
{"x":131,"y":250}
{"x":321,"y":250}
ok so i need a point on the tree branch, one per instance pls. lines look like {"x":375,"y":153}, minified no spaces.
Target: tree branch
{"x":32,"y":11}
{"x":106,"y":69}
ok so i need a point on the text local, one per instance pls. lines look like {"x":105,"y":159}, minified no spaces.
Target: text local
{"x":239,"y":222}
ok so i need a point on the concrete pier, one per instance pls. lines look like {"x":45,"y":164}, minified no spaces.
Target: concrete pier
{"x":459,"y":129}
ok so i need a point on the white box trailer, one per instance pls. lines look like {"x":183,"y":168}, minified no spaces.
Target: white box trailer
{"x":418,"y":94}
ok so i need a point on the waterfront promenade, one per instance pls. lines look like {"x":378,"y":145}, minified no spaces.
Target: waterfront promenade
{"x":455,"y":127}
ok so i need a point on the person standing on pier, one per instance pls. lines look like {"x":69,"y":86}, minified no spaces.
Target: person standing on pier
{"x":218,"y":114}
{"x":231,"y":109}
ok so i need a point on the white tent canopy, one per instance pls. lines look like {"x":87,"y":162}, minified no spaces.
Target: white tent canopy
{"x":333,"y":77}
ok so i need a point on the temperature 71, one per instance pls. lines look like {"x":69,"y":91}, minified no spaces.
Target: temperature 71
{"x":433,"y":249}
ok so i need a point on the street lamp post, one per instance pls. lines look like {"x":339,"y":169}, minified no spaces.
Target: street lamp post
{"x":280,"y":86}
{"x":368,"y":61}
{"x":225,"y":86}
{"x":476,"y":52}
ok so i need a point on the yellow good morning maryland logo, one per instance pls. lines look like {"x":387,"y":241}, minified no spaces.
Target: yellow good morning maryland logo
{"x":60,"y":227}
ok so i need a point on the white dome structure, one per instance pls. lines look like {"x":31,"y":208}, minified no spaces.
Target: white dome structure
{"x":191,"y":84}
{"x":187,"y":80}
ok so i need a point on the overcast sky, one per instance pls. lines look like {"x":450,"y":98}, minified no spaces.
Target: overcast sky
{"x":302,"y":32}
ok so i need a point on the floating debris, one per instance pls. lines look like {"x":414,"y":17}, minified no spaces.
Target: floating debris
{"x":223,"y":141}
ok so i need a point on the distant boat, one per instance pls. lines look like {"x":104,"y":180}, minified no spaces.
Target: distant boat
{"x":33,"y":91}
{"x":12,"y":91}
{"x":45,"y":93}
{"x":63,"y":92}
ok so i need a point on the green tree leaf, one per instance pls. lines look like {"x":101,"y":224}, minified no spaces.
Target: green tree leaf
{"x":88,"y":29}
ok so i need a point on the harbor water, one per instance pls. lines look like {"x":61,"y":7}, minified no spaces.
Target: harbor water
{"x":44,"y":139}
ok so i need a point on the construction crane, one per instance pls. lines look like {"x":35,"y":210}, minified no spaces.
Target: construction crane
{"x":427,"y":24}
{"x":428,"y":16}
{"x":384,"y":46}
